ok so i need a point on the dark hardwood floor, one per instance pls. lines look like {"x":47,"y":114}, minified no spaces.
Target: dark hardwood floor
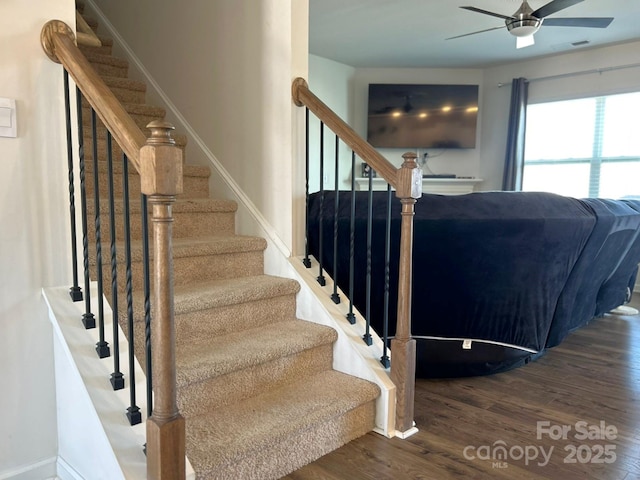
{"x":589,"y":385}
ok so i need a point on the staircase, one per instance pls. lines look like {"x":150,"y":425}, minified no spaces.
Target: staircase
{"x":255,"y":383}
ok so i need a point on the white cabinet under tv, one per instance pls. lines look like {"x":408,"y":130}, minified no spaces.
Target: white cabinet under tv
{"x":440,"y":186}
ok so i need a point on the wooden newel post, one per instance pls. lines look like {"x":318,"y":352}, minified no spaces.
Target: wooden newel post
{"x":161,"y":181}
{"x":403,"y":347}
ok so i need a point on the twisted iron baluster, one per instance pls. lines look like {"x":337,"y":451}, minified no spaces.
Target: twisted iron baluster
{"x":335,"y":296}
{"x":367,"y":335}
{"x":117,"y":379}
{"x":75,"y":291}
{"x":101,"y":347}
{"x":133,"y":411}
{"x":352,"y":240}
{"x":88,"y":319}
{"x":306,"y":261}
{"x":384,"y":359}
{"x":321,"y":280}
{"x":147,"y":302}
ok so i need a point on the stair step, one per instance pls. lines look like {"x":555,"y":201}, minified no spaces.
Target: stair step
{"x":108,"y":65}
{"x":193,"y":217}
{"x":116,"y":152}
{"x":105,"y":49}
{"x":92,"y":22}
{"x":126,"y":90}
{"x":140,"y":113}
{"x":213,"y":372}
{"x":195,"y":260}
{"x":195,"y":180}
{"x":219,"y":307}
{"x":279,"y":431}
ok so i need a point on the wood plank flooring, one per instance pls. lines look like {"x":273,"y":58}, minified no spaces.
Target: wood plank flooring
{"x":592,"y":377}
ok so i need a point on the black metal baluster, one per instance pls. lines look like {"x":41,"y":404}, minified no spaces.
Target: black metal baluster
{"x":387,"y":259}
{"x":321,"y":280}
{"x":367,"y":335}
{"x":117,"y":379}
{"x":335,"y":296}
{"x":75,"y":291}
{"x":306,"y":261}
{"x":147,"y":302}
{"x":88,"y":319}
{"x":101,"y":347}
{"x":352,"y":240}
{"x":133,"y":411}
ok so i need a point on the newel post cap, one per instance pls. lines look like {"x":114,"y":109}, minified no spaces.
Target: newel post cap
{"x":409,"y":177}
{"x":160,"y":162}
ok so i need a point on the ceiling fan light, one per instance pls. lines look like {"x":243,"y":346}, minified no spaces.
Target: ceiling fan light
{"x":523,"y":27}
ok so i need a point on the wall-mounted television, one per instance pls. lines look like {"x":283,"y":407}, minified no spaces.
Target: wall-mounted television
{"x":422,"y":116}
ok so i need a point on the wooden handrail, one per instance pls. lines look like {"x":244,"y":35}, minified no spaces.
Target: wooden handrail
{"x":85,"y":34}
{"x":302,"y":96}
{"x":58,"y":42}
{"x":159,"y":162}
{"x":407,"y":180}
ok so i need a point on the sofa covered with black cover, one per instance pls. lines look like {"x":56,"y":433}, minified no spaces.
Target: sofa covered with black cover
{"x":498,"y":277}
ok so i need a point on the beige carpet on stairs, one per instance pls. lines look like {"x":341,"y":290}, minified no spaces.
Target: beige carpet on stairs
{"x":255,"y":383}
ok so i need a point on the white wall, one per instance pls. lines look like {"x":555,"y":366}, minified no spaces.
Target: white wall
{"x":33,"y":237}
{"x":332,"y":82}
{"x":227,"y":66}
{"x":496,"y":99}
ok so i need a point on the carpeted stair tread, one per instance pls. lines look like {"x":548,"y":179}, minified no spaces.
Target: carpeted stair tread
{"x":218,"y":293}
{"x":105,"y":48}
{"x":92,"y":22}
{"x":200,"y":359}
{"x":101,"y":59}
{"x":192,"y":247}
{"x":236,"y":434}
{"x":137,"y":109}
{"x":191,"y":205}
{"x":187,"y":170}
{"x":180,"y":139}
{"x":124,"y":83}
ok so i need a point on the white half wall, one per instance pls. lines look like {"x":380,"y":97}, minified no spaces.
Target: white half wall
{"x":34,"y":238}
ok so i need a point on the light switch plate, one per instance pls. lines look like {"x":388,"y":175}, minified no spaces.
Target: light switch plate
{"x":8,"y":122}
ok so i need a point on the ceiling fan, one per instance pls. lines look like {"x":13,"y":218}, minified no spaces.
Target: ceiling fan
{"x":527,"y":21}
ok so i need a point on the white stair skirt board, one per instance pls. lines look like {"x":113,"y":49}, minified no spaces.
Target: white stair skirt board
{"x":45,"y":469}
{"x":624,"y":310}
{"x":95,"y":439}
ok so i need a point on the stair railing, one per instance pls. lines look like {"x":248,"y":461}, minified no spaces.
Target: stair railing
{"x":159,"y":163}
{"x":407,"y":182}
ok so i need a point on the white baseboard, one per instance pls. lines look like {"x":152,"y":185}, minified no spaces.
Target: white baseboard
{"x":45,"y":469}
{"x":66,"y":471}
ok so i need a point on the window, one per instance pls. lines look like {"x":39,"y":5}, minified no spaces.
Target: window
{"x":588,"y":147}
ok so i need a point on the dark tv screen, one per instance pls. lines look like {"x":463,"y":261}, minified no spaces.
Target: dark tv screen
{"x":422,"y":116}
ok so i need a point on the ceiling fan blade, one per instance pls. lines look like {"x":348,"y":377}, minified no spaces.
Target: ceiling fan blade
{"x":473,"y":33}
{"x":593,"y":22}
{"x":486,"y":12}
{"x":553,"y":7}
{"x":522,"y":42}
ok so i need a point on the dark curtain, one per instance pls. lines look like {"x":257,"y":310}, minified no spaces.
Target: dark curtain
{"x":514,"y":157}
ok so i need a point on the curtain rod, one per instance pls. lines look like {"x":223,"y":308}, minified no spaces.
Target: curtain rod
{"x":573,"y":74}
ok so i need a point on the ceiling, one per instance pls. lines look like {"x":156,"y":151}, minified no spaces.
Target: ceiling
{"x":412,"y":33}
